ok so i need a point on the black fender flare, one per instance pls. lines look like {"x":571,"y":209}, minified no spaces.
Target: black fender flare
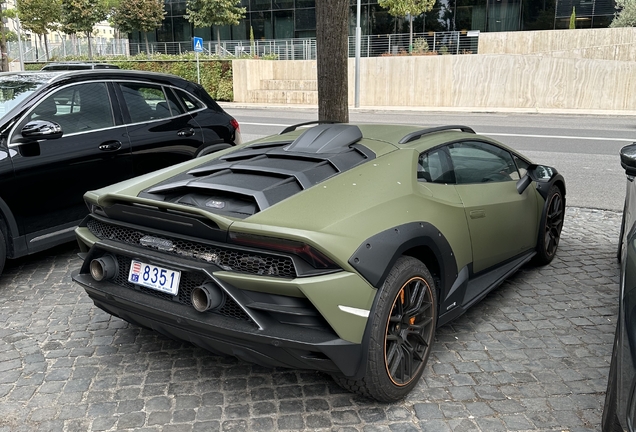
{"x":544,"y":187}
{"x":16,"y":247}
{"x":375,"y":257}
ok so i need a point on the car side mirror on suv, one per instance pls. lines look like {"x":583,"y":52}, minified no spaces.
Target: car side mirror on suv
{"x":628,"y":159}
{"x":41,"y":130}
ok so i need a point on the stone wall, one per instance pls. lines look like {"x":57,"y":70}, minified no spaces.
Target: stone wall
{"x":550,"y":74}
{"x":600,"y":44}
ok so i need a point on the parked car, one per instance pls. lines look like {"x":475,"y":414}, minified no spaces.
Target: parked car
{"x":63,"y":133}
{"x":77,"y":66}
{"x":340,"y":249}
{"x":619,"y":412}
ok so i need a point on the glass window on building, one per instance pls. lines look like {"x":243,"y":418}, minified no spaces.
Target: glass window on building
{"x":283,"y":4}
{"x":305,"y":22}
{"x":178,"y":8}
{"x":203,"y":32}
{"x":283,"y":24}
{"x":182,"y":29}
{"x":261,"y":24}
{"x":260,"y":5}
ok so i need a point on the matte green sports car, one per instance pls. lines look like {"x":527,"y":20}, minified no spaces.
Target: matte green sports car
{"x":339,"y":248}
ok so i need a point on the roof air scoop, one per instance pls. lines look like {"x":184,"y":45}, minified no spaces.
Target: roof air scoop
{"x":326,"y":138}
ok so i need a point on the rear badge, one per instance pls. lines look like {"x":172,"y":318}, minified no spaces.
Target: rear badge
{"x":157,"y":243}
{"x":215,"y":204}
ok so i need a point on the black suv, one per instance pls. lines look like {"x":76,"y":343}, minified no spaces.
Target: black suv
{"x":63,"y":133}
{"x":619,"y":412}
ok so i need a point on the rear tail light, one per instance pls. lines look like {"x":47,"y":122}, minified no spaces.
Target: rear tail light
{"x":314,"y":257}
{"x":235,"y":125}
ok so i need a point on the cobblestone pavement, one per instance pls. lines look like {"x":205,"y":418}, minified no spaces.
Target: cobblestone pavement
{"x":532,"y":356}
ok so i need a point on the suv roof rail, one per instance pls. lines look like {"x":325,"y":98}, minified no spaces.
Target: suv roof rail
{"x":296,"y":126}
{"x":418,"y":134}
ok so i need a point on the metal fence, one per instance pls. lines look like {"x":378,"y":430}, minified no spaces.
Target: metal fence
{"x":281,"y":49}
{"x":60,"y":50}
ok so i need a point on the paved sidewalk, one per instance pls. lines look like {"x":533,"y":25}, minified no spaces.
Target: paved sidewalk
{"x":532,"y":356}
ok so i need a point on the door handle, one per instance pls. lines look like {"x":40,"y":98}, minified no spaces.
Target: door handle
{"x":477,"y":214}
{"x":110,"y":146}
{"x":185,"y":132}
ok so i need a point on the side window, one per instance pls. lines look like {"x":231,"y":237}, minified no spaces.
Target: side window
{"x":77,"y":108}
{"x":479,"y":162}
{"x":522,"y":166}
{"x":188,"y":100}
{"x":434,"y":167}
{"x":147,"y":102}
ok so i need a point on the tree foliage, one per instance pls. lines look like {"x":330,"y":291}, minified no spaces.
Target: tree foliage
{"x":399,"y":8}
{"x":40,"y":17}
{"x":626,"y":15}
{"x":82,"y":15}
{"x":206,"y":13}
{"x":144,"y":15}
{"x":407,"y":7}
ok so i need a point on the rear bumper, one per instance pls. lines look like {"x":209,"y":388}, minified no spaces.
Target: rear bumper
{"x":252,"y":336}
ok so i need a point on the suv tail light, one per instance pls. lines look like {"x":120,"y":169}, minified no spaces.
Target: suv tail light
{"x":235,"y":125}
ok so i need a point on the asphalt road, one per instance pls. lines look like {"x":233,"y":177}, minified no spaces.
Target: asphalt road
{"x":584,"y":148}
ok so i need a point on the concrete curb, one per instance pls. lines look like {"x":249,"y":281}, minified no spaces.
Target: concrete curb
{"x":553,"y":111}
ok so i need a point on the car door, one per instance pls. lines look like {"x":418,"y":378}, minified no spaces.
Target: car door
{"x":502,"y":222}
{"x":161,"y":132}
{"x":51,"y":176}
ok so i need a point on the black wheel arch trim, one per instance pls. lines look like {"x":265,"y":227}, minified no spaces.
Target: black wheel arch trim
{"x":375,"y":256}
{"x":544,"y":187}
{"x":16,"y":245}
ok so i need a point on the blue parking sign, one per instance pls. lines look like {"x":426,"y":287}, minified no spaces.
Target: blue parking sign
{"x":198,"y":44}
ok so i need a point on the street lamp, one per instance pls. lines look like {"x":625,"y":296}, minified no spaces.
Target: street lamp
{"x":357,"y":73}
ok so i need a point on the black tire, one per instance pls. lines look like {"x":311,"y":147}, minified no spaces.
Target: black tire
{"x":550,"y":227}
{"x":3,"y":251}
{"x":610,"y":422}
{"x":402,"y":333}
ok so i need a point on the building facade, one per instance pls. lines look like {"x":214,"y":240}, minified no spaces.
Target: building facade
{"x":284,"y":19}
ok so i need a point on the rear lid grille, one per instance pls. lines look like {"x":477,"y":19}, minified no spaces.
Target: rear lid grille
{"x":254,"y":178}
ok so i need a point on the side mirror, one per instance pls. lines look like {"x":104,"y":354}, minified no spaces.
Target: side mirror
{"x":537,"y":173}
{"x":628,"y":159}
{"x":41,"y":130}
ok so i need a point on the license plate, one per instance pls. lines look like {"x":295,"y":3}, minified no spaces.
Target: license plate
{"x":157,"y":278}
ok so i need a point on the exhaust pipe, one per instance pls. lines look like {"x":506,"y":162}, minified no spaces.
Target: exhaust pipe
{"x":104,"y":268}
{"x":207,"y":296}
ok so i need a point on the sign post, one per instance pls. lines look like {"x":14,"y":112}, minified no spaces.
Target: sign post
{"x":197,"y":42}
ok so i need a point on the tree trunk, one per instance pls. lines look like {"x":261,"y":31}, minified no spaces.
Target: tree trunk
{"x":90,"y":49}
{"x":410,"y":33}
{"x":147,"y":45}
{"x":46,"y":47}
{"x":4,"y":63}
{"x":332,"y":36}
{"x":218,"y":41}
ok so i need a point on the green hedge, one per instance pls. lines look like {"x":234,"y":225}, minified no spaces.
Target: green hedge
{"x":216,"y":75}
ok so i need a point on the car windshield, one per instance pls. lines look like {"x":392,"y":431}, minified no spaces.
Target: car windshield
{"x":14,"y":88}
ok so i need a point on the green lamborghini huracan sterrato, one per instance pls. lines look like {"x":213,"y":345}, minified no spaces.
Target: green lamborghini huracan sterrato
{"x":338,"y":248}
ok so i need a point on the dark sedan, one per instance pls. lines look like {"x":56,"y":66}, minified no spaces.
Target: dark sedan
{"x":619,"y":413}
{"x":63,"y":133}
